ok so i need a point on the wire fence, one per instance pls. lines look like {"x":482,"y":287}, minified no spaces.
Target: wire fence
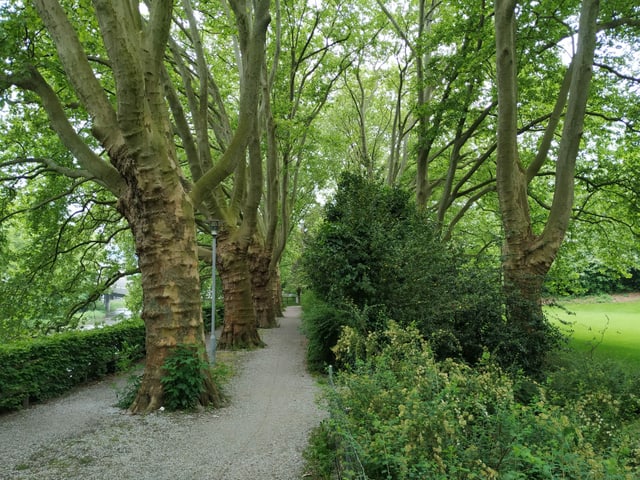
{"x":348,"y":464}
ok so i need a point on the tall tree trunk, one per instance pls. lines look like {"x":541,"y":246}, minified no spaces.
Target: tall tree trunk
{"x":162,"y":222}
{"x":527,"y":257}
{"x":240,"y":329}
{"x":425,"y":91}
{"x":262,"y":292}
{"x":239,"y":210}
{"x":143,"y":171}
{"x":276,"y":292}
{"x":523,"y":278}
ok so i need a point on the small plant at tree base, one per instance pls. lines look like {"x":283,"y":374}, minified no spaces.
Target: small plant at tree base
{"x":184,"y":379}
{"x":127,"y":394}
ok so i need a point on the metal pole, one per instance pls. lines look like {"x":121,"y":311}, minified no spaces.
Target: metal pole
{"x":214,"y":235}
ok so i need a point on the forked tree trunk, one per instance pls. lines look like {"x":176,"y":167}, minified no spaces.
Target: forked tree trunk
{"x":528,"y":257}
{"x":261,"y":286}
{"x":240,"y":329}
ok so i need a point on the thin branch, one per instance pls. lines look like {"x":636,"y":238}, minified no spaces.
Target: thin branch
{"x":612,"y":70}
{"x":100,"y":289}
{"x":44,"y":202}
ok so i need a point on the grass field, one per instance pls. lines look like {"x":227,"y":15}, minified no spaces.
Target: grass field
{"x":606,"y":328}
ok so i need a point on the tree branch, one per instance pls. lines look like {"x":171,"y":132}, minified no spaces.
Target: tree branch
{"x":79,"y":71}
{"x":100,"y":171}
{"x":573,"y":126}
{"x":616,"y":73}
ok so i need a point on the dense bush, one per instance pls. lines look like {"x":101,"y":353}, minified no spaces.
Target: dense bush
{"x":321,"y":324}
{"x":375,"y":257}
{"x":400,"y":414}
{"x":352,"y":255}
{"x":606,"y":391}
{"x":44,"y":367}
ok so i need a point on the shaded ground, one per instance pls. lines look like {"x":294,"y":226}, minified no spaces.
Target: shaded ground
{"x":616,"y":298}
{"x":626,"y":297}
{"x":260,"y":435}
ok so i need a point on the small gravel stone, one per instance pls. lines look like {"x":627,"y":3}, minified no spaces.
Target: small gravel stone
{"x":261,"y":434}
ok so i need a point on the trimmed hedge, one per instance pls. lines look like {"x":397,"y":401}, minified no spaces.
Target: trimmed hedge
{"x":45,"y":367}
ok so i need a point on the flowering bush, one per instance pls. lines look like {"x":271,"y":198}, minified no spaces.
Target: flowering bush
{"x":399,"y":414}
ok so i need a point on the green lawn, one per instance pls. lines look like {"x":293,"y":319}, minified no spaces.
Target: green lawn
{"x":610,"y":329}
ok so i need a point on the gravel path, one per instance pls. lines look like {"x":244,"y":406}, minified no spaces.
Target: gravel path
{"x":260,"y":435}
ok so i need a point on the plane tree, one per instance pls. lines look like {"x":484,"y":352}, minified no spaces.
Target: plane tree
{"x":99,"y":74}
{"x":310,"y":48}
{"x":459,"y":105}
{"x":531,"y":245}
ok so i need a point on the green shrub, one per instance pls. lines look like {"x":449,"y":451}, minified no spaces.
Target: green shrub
{"x":400,"y":414}
{"x":376,"y":257}
{"x":45,"y":367}
{"x":350,"y":257}
{"x":321,"y":455}
{"x":128,"y":354}
{"x":605,"y":392}
{"x":321,"y":323}
{"x":183,"y":381}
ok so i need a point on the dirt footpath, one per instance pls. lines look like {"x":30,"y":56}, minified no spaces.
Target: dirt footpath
{"x":260,"y":435}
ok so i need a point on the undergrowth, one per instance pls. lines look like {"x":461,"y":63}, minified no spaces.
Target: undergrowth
{"x":400,"y":414}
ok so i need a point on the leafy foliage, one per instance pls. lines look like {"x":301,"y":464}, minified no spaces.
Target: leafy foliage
{"x":350,"y":257}
{"x":127,"y":394}
{"x":68,"y":253}
{"x":375,"y":258}
{"x":400,"y":414}
{"x":581,"y":380}
{"x":321,"y":323}
{"x":183,"y":381}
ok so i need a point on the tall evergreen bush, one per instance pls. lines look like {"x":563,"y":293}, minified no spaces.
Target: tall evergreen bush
{"x":375,"y":257}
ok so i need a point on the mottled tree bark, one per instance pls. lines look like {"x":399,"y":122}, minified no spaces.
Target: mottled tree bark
{"x":240,"y":328}
{"x":262,"y":291}
{"x":143,"y":172}
{"x":164,"y":232}
{"x":242,"y":156}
